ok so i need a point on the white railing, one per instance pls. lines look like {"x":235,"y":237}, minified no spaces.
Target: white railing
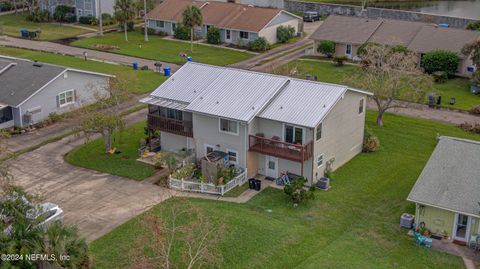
{"x":187,"y":185}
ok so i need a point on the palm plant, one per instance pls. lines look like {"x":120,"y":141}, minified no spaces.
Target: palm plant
{"x":124,"y":12}
{"x":192,"y":17}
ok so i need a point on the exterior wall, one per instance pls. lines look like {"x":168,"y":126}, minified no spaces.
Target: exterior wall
{"x":339,"y":49}
{"x":462,"y":67}
{"x":85,"y":86}
{"x":237,"y":40}
{"x":270,"y":31}
{"x":173,"y":142}
{"x":342,"y":133}
{"x":82,"y":7}
{"x":168,"y":26}
{"x":206,"y":130}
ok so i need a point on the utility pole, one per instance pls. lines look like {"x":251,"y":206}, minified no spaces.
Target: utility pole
{"x":145,"y":19}
{"x":100,"y":20}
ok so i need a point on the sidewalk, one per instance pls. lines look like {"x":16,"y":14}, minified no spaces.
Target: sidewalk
{"x":46,"y":46}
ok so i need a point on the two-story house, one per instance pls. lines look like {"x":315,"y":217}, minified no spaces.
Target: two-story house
{"x":266,"y":123}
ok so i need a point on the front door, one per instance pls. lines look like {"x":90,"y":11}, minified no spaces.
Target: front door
{"x":348,"y":51}
{"x":271,"y":167}
{"x":228,"y":36}
{"x":461,"y":228}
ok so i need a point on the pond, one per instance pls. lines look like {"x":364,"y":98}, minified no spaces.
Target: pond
{"x":461,"y":8}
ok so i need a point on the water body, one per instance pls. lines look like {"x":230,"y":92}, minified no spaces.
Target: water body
{"x":461,"y":8}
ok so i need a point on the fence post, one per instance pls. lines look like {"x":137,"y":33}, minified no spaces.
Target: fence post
{"x":182,"y":186}
{"x":222,"y":189}
{"x":201,"y":186}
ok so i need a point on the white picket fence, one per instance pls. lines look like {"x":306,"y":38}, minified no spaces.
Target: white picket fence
{"x":186,"y":185}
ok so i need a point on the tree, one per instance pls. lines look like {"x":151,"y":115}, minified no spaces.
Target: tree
{"x":181,"y":227}
{"x":297,"y":192}
{"x":475,"y":26}
{"x":285,"y":33}
{"x":192,"y":17}
{"x":440,"y":61}
{"x":391,"y":76}
{"x":104,"y":117}
{"x":213,"y":35}
{"x":473,"y":50}
{"x":124,"y":12}
{"x":326,"y":47}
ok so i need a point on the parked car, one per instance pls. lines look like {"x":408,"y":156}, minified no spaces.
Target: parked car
{"x":311,"y":16}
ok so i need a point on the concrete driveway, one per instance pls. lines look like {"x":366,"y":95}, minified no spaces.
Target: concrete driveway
{"x":95,"y":202}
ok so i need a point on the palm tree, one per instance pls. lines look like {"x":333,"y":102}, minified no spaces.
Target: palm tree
{"x":124,"y":12}
{"x":192,"y":17}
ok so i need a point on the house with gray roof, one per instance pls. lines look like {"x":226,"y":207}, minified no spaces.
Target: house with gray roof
{"x":30,"y":91}
{"x":349,"y":33}
{"x":265,"y":123}
{"x":447,"y":192}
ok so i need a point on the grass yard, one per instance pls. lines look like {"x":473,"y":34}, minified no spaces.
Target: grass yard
{"x":164,"y":50}
{"x":237,"y":191}
{"x":327,"y":72}
{"x":353,"y":225}
{"x":92,"y":155}
{"x":142,"y":81}
{"x":11,"y":25}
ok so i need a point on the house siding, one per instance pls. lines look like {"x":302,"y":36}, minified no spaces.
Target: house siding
{"x":283,"y":19}
{"x":85,"y":86}
{"x":173,"y":142}
{"x":168,"y":26}
{"x":85,"y":7}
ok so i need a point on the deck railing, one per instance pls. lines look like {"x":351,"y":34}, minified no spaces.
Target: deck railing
{"x":188,"y":185}
{"x":284,"y":150}
{"x":178,"y":127}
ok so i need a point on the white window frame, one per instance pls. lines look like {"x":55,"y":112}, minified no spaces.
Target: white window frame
{"x":236,"y":156}
{"x":162,"y":22}
{"x":321,"y":131}
{"x":346,"y":50}
{"x":294,"y":127}
{"x":79,"y":12}
{"x":65,"y":98}
{"x":240,"y":35}
{"x":228,"y":35}
{"x":227,"y":132}
{"x":205,"y":146}
{"x":362,"y":101}
{"x":323,"y":160}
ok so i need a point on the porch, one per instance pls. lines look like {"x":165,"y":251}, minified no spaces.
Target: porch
{"x":276,"y":148}
{"x":174,"y":126}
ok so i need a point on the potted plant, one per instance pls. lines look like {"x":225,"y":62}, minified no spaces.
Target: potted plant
{"x":446,"y":238}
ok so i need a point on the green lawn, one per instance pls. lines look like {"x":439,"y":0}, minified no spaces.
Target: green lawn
{"x":11,"y":25}
{"x":353,"y":225}
{"x":327,"y":72}
{"x":164,"y":50}
{"x":142,"y":81}
{"x":237,"y":191}
{"x":92,"y":155}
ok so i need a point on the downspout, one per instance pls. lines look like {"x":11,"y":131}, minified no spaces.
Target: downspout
{"x":245,"y":146}
{"x":20,"y":114}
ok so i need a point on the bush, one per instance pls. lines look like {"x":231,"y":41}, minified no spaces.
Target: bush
{"x":181,"y":32}
{"x":371,"y":143}
{"x":259,"y":44}
{"x":38,"y":16}
{"x":213,"y":35}
{"x":70,"y":18}
{"x":475,"y":110}
{"x":297,"y":192}
{"x":61,"y":12}
{"x":470,"y":127}
{"x":440,"y":76}
{"x":130,"y":26}
{"x":399,"y":49}
{"x":474,"y":26}
{"x":339,"y":60}
{"x":87,"y":20}
{"x":5,"y":6}
{"x":285,"y":33}
{"x":475,"y":80}
{"x":440,"y":60}
{"x":326,"y":47}
{"x":361,"y":49}
{"x":107,"y":19}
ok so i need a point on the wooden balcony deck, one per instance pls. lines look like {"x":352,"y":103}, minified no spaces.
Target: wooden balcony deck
{"x":183,"y":128}
{"x":276,"y":148}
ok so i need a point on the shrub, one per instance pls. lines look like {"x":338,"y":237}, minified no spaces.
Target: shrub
{"x":181,"y":32}
{"x":440,"y":60}
{"x":470,"y":127}
{"x":107,"y":19}
{"x":297,"y":192}
{"x":371,"y":143}
{"x":150,"y":31}
{"x":339,"y":60}
{"x":285,"y":33}
{"x":259,"y":44}
{"x":361,"y":49}
{"x":475,"y":80}
{"x":475,"y":110}
{"x":70,"y":18}
{"x":399,"y":49}
{"x":130,"y":26}
{"x":213,"y":35}
{"x":38,"y":16}
{"x":326,"y":47}
{"x":5,"y":6}
{"x":474,"y":26}
{"x":440,"y":76}
{"x":87,"y":20}
{"x":61,"y":12}
{"x":185,"y":172}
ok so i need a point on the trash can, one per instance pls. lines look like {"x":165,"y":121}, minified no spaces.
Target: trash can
{"x":24,"y":33}
{"x":251,"y":183}
{"x":189,"y":58}
{"x":258,"y":184}
{"x":135,"y":66}
{"x":406,"y":220}
{"x":166,"y":71}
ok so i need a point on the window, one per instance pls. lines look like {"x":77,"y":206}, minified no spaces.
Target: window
{"x":160,"y":24}
{"x":232,"y":156}
{"x":88,"y":6}
{"x":207,"y":27}
{"x":319,"y":160}
{"x":228,"y":34}
{"x":80,"y":12}
{"x":208,"y":149}
{"x":171,"y":113}
{"x":318,"y":133}
{"x":228,"y":126}
{"x":243,"y":35}
{"x":360,"y":106}
{"x":293,"y":135}
{"x":348,"y":50}
{"x":66,"y":98}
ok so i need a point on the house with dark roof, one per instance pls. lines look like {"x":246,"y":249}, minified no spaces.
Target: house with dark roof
{"x":238,"y":23}
{"x":349,"y":33}
{"x":447,"y":192}
{"x":30,"y":91}
{"x":265,"y":123}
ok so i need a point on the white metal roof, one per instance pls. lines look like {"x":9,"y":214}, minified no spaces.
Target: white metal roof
{"x":303,"y":102}
{"x":241,"y":95}
{"x":164,"y":103}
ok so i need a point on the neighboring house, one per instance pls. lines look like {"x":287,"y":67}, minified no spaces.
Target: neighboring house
{"x":349,"y":33}
{"x":82,"y":7}
{"x":447,"y":193}
{"x":265,"y":123}
{"x":238,"y":24}
{"x":30,"y":91}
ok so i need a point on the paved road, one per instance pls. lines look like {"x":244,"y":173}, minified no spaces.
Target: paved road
{"x":47,"y":46}
{"x":95,"y":202}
